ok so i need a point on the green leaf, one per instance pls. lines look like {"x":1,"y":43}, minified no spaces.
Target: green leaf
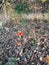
{"x":33,"y":42}
{"x":1,"y":24}
{"x":43,"y":1}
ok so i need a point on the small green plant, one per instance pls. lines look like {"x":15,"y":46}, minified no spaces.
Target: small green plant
{"x":12,"y":61}
{"x":22,"y":7}
{"x":23,"y":21}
